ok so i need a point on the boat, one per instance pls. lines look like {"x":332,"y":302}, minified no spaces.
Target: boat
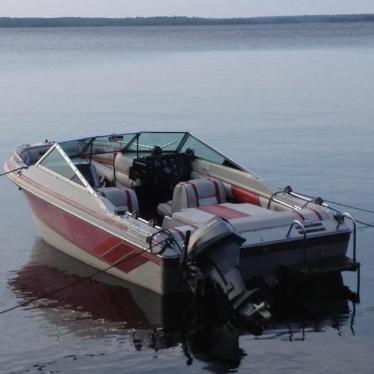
{"x":167,"y":212}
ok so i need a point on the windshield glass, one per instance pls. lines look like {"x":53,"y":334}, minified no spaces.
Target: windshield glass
{"x":98,"y":145}
{"x":134,"y":142}
{"x":202,"y":150}
{"x":141,"y":144}
{"x":146,"y":141}
{"x":55,"y":161}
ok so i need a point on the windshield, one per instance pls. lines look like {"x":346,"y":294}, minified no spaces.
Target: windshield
{"x":132,"y":143}
{"x":141,"y":144}
{"x":96,"y":145}
{"x":146,"y":141}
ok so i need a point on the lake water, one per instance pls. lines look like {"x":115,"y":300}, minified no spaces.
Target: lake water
{"x":293,"y":103}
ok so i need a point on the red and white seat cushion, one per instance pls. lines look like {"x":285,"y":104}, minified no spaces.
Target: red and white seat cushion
{"x":244,"y":217}
{"x":194,"y":193}
{"x":120,"y":200}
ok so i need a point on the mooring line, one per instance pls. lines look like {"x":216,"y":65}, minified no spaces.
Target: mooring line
{"x":14,"y":170}
{"x":289,"y":190}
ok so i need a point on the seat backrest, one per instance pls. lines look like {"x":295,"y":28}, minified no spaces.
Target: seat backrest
{"x":198,"y":192}
{"x":90,"y":174}
{"x":120,"y":200}
{"x":122,"y":164}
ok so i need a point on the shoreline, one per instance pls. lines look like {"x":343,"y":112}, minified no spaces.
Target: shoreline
{"x":9,"y":22}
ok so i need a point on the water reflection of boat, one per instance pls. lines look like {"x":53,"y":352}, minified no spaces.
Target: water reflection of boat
{"x":107,"y":306}
{"x":105,"y":298}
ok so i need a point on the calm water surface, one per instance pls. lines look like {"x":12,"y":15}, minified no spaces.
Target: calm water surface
{"x":293,"y":103}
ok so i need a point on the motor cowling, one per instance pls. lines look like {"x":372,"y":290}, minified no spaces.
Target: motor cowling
{"x":214,"y":252}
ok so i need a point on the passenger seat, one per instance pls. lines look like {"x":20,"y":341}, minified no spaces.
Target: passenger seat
{"x":192,"y":194}
{"x":119,"y":200}
{"x":89,"y":173}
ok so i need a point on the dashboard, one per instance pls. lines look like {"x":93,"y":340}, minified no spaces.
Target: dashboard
{"x":162,"y":168}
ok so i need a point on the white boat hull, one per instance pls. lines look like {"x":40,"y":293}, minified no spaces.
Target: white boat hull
{"x":155,"y":276}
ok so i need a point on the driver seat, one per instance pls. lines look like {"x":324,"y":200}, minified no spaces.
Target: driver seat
{"x":119,"y":164}
{"x":122,"y":165}
{"x":192,"y":194}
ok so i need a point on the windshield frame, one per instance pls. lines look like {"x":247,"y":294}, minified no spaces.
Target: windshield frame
{"x":133,"y":137}
{"x":56,"y":146}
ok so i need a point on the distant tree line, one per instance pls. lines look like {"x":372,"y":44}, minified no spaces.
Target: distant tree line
{"x":176,"y":21}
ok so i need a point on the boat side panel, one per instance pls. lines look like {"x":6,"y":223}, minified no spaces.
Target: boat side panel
{"x":99,"y":248}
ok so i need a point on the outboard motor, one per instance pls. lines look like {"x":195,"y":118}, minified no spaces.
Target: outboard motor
{"x":213,"y":254}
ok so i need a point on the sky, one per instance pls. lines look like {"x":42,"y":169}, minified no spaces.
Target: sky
{"x":201,"y":8}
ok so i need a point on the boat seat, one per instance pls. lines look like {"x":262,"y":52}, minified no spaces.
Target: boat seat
{"x":104,"y":167}
{"x":164,"y":209}
{"x":89,"y":173}
{"x":119,"y":200}
{"x":122,"y":165}
{"x":243,"y":216}
{"x":194,"y":193}
{"x":32,"y":154}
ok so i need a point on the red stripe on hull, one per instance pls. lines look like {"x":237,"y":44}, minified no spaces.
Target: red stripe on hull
{"x":89,"y":237}
{"x":58,"y":196}
{"x":132,"y":261}
{"x":117,"y":253}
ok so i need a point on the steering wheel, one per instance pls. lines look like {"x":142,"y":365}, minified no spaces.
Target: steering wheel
{"x":166,"y":169}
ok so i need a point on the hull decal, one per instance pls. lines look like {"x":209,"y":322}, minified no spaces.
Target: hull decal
{"x":89,"y":238}
{"x":58,"y":196}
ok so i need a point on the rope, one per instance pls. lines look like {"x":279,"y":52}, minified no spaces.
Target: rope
{"x":350,"y":206}
{"x":12,"y":171}
{"x":357,"y":220}
{"x":341,"y":204}
{"x":122,"y":259}
{"x":365,"y":223}
{"x":336,"y":203}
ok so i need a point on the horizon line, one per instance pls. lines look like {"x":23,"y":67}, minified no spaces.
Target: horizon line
{"x":193,"y":17}
{"x":158,"y":21}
